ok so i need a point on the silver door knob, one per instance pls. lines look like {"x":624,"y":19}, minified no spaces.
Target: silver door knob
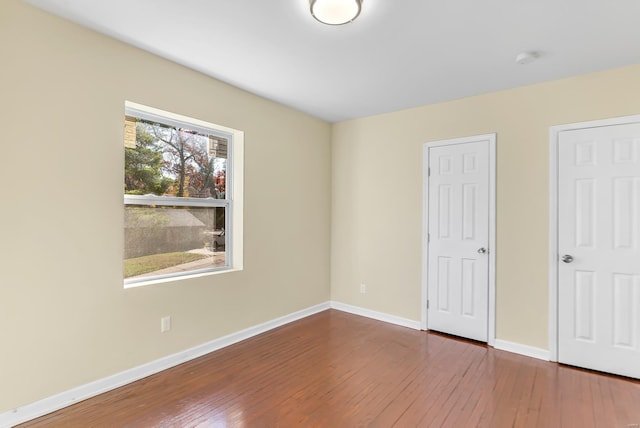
{"x":567,"y":258}
{"x":482,"y":250}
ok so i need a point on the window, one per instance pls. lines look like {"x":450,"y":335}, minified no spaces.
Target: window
{"x":182,"y":196}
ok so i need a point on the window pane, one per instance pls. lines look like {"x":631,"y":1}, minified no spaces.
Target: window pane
{"x":165,"y":240}
{"x":169,"y":161}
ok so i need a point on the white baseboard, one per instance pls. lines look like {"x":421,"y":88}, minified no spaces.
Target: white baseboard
{"x":380,"y":316}
{"x":517,"y":348}
{"x":67,"y":398}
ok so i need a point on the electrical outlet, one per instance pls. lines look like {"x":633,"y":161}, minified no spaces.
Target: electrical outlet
{"x":363,"y":288}
{"x":165,"y":324}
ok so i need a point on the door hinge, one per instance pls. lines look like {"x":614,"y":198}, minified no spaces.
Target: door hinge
{"x":427,"y":304}
{"x":428,"y":238}
{"x":429,"y":172}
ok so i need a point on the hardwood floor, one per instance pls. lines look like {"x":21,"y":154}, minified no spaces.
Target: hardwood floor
{"x":334,"y":369}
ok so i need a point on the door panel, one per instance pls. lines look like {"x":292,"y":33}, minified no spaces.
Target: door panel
{"x":458,"y":226}
{"x":599,"y":227}
{"x":444,"y":283}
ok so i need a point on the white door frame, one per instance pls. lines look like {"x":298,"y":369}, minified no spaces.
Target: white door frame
{"x":491,"y":333}
{"x":554,"y":136}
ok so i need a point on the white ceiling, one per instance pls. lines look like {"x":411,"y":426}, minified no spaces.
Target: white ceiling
{"x":397,"y":54}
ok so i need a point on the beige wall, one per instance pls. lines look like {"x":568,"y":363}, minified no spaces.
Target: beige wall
{"x":65,"y":318}
{"x":377,"y":193}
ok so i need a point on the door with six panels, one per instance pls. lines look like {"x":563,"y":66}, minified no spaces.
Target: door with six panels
{"x":599,"y":248}
{"x":458,"y":238}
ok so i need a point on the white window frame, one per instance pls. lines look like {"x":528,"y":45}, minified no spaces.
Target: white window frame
{"x":233,"y":201}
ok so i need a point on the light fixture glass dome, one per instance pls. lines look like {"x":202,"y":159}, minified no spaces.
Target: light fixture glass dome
{"x":335,"y":12}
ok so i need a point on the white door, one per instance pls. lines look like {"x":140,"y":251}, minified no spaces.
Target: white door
{"x":458,"y":239}
{"x":599,"y":248}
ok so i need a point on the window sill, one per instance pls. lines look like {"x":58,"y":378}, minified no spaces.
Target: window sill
{"x":154,"y":281}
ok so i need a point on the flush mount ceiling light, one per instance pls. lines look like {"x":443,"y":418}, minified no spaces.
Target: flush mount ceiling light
{"x":335,"y":12}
